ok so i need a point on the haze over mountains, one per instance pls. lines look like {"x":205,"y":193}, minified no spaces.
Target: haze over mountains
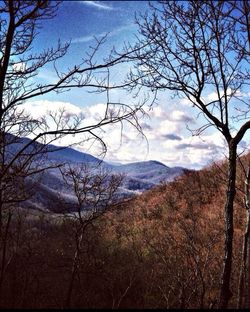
{"x":50,"y":192}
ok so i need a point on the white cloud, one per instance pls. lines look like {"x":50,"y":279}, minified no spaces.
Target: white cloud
{"x":100,"y":35}
{"x":158,"y":112}
{"x":213,"y":96}
{"x":167,"y":127}
{"x":180,"y":116}
{"x":19,"y":66}
{"x":239,"y":93}
{"x":197,"y":151}
{"x":92,"y":115}
{"x":169,"y":142}
{"x":88,"y":38}
{"x":185,"y":102}
{"x":98,"y":5}
{"x":96,"y":111}
{"x":42,"y":107}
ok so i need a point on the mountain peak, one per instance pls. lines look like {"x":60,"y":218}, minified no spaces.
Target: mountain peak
{"x":156,"y":162}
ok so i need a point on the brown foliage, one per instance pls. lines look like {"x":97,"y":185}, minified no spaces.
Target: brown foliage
{"x":162,"y":249}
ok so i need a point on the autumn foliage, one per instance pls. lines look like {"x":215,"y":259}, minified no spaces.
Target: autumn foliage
{"x":163,"y":249}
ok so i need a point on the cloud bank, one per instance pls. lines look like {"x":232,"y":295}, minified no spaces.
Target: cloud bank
{"x":168,"y":139}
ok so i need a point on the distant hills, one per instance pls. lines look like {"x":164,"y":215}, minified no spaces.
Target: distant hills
{"x":50,"y":192}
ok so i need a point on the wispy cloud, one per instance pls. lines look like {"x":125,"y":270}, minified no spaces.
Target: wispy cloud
{"x":87,"y":38}
{"x":98,"y":4}
{"x":92,"y":36}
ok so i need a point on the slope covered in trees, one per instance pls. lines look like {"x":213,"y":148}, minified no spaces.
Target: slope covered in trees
{"x":163,"y":249}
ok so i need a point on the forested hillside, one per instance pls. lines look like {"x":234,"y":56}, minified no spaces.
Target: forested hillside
{"x":162,"y":249}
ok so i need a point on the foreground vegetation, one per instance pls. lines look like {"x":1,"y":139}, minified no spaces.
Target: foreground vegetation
{"x":163,"y":249}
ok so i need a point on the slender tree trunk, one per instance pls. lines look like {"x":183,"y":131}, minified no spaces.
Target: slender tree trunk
{"x":4,"y":253}
{"x":74,"y":269}
{"x":225,"y":292}
{"x":244,"y":282}
{"x":247,"y":301}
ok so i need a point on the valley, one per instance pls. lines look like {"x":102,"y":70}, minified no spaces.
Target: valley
{"x":50,"y":192}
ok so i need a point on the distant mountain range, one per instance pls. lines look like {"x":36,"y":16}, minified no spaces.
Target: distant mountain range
{"x":50,"y":192}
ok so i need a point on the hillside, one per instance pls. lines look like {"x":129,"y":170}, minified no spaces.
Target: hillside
{"x":177,"y":231}
{"x":48,"y":188}
{"x":161,"y":249}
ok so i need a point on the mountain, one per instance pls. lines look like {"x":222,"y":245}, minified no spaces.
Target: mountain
{"x":53,"y":153}
{"x":151,"y":171}
{"x":51,"y":193}
{"x":141,"y":176}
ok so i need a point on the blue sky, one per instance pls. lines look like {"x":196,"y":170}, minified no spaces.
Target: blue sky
{"x":169,"y":141}
{"x":78,"y":22}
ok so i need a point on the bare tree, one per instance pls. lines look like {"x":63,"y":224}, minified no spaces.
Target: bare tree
{"x":95,"y":192}
{"x":194,"y":48}
{"x":19,"y":23}
{"x":19,"y":67}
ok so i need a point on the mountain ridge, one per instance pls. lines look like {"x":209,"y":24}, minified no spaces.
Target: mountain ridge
{"x":49,"y":185}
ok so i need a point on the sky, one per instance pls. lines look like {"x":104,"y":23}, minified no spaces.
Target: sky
{"x":166,"y":126}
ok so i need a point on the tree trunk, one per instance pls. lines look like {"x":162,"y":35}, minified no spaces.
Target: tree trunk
{"x":225,"y":292}
{"x":74,"y":269}
{"x":244,"y":282}
{"x":247,"y":290}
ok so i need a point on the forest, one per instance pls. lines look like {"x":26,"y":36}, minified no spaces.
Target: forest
{"x":162,"y":249}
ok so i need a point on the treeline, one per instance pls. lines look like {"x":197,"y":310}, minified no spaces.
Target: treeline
{"x":163,"y":249}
